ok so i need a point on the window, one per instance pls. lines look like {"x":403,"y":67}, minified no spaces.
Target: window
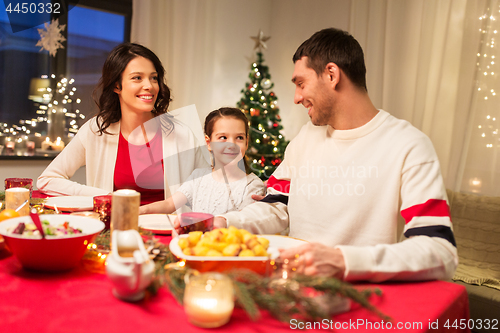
{"x":93,"y":29}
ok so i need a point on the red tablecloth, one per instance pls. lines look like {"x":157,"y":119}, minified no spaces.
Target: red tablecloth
{"x":81,"y":301}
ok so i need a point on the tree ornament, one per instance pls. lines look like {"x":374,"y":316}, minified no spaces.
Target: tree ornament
{"x":254,"y":112}
{"x":260,"y":40}
{"x":51,"y":37}
{"x":266,"y":84}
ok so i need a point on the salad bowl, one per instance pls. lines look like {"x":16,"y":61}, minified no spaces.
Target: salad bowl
{"x":58,"y":251}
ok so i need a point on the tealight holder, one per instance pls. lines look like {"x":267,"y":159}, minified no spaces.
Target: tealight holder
{"x":208,"y":299}
{"x":19,"y":182}
{"x":102,"y":206}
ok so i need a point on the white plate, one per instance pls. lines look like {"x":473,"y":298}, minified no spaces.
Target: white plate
{"x":70,"y":203}
{"x":157,"y":223}
{"x":275,"y":242}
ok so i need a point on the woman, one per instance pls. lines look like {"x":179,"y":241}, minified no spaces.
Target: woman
{"x":132,"y":143}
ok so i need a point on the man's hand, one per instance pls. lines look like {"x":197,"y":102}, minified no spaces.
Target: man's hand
{"x":316,"y":259}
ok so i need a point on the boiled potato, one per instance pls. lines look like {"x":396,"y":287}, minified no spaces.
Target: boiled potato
{"x":232,"y":238}
{"x":194,"y":237}
{"x":213,"y":253}
{"x":183,"y":243}
{"x":246,"y":253}
{"x":201,"y":251}
{"x":263,"y":241}
{"x":259,"y":250}
{"x":231,"y":250}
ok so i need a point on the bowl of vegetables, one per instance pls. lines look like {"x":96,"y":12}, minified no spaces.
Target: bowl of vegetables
{"x":63,"y":245}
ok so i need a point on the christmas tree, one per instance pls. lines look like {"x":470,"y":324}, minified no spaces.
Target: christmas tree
{"x":266,"y":145}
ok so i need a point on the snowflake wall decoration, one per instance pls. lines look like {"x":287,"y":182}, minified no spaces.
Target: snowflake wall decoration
{"x":51,"y":37}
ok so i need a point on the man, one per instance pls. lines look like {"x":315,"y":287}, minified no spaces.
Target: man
{"x":342,"y":177}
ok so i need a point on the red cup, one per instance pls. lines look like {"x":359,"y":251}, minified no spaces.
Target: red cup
{"x":102,"y":206}
{"x":19,"y":182}
{"x":196,"y":222}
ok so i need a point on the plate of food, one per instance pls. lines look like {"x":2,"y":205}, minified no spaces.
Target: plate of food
{"x":225,"y":249}
{"x":161,"y":224}
{"x":70,"y":203}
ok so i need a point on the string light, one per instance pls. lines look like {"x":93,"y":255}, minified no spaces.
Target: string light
{"x":23,"y":131}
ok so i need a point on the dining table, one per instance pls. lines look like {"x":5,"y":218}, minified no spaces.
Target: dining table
{"x":81,"y":300}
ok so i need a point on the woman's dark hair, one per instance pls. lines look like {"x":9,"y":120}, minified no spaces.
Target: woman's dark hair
{"x":215,"y":115}
{"x":339,"y":47}
{"x":104,"y":95}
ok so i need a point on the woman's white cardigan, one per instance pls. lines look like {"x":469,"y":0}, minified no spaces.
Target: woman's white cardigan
{"x":182,"y":153}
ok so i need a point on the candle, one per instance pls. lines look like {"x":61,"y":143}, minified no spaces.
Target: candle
{"x":30,"y":147}
{"x":58,"y":145}
{"x":208,"y":299}
{"x":46,"y":145}
{"x":92,"y":215}
{"x":9,"y":146}
{"x":125,"y":210}
{"x":15,"y":197}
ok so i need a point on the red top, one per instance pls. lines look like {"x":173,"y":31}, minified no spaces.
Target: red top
{"x":140,"y":168}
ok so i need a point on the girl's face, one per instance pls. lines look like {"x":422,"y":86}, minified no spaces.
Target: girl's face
{"x":139,"y":87}
{"x":228,"y":141}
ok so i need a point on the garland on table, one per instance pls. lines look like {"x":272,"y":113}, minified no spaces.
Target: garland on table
{"x":299,"y":296}
{"x":306,"y":298}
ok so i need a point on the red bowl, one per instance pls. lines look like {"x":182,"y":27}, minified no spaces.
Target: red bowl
{"x":52,"y":253}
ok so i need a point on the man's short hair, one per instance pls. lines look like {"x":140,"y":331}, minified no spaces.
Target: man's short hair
{"x":339,"y":47}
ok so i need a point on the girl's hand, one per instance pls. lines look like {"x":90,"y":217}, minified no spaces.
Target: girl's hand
{"x":220,"y":222}
{"x":177,"y":226}
{"x":257,"y":197}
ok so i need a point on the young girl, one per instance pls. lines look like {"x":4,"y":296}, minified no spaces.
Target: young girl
{"x":226,"y":186}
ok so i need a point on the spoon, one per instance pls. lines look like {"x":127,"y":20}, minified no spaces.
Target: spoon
{"x":22,"y":205}
{"x":36,"y":219}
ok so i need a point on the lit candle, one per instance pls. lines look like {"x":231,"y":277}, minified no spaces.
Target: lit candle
{"x":125,"y":210}
{"x":58,"y":145}
{"x":209,"y":299}
{"x":9,"y":145}
{"x":30,"y":147}
{"x":46,"y":145}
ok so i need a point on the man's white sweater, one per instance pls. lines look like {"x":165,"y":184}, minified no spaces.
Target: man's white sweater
{"x":343,"y":188}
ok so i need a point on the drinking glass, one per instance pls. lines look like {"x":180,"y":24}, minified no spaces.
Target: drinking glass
{"x":194,"y":221}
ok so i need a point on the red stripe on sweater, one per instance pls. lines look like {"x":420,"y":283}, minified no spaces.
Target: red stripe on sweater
{"x":433,"y":207}
{"x":279,"y":185}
